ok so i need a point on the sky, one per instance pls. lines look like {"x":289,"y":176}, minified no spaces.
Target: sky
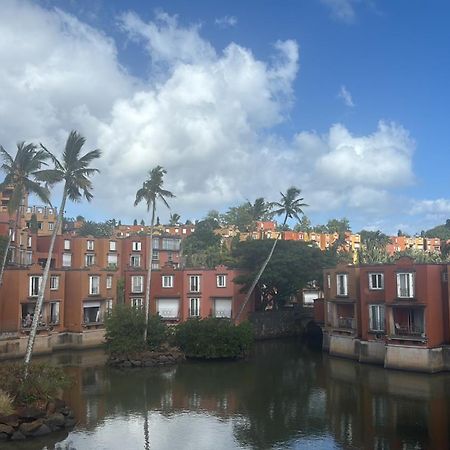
{"x":345,"y":99}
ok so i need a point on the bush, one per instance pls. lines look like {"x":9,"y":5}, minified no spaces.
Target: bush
{"x":43,"y":382}
{"x":6,"y":404}
{"x":157,"y":333}
{"x":214,"y":338}
{"x":125,"y":330}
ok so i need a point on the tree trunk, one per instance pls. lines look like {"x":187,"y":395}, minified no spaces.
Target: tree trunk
{"x":149,"y":273}
{"x":255,"y":281}
{"x":12,"y":230}
{"x":41,"y":293}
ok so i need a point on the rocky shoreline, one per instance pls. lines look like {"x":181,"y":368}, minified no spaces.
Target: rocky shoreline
{"x":147,"y":359}
{"x":29,"y":422}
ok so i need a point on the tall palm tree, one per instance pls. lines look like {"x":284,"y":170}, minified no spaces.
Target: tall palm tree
{"x":19,"y":170}
{"x":152,"y":190}
{"x":75,"y":172}
{"x":291,"y":206}
{"x":174,"y":219}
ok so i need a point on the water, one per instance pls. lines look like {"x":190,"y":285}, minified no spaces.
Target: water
{"x":284,"y":397}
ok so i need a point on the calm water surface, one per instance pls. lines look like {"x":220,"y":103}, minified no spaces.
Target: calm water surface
{"x":284,"y":397}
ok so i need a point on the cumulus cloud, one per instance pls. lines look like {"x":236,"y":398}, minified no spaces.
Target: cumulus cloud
{"x":226,"y":21}
{"x":438,"y":208}
{"x":345,"y":95}
{"x":209,"y":117}
{"x":341,"y":10}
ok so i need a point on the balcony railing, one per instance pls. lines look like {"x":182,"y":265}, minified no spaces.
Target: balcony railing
{"x":348,"y":323}
{"x":408,"y":330}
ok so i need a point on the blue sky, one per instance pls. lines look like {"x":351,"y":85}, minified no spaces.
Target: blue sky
{"x":346,"y":99}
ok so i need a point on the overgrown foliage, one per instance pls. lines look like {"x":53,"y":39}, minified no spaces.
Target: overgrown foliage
{"x":125,"y":326}
{"x":43,"y":383}
{"x":6,"y":404}
{"x":96,"y":229}
{"x":214,"y":338}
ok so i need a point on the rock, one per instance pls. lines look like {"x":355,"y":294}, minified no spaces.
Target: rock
{"x":55,"y":421}
{"x":70,"y":422}
{"x":136,"y":363}
{"x":18,"y":436}
{"x":28,"y":428}
{"x":12,"y":420}
{"x":28,"y":413}
{"x":6,"y":429}
{"x":4,"y":437}
{"x":66,"y":410}
{"x":42,"y":430}
{"x":51,"y":407}
{"x":59,"y":404}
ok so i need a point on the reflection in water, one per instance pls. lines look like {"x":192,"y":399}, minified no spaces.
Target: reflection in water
{"x":283,"y":397}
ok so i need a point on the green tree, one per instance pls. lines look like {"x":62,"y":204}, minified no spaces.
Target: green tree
{"x":174,"y":219}
{"x":303,"y":225}
{"x":33,"y":226}
{"x":339,"y":226}
{"x":290,"y":206}
{"x":135,"y":222}
{"x":151,"y":191}
{"x":239,"y":216}
{"x":373,"y":249}
{"x":74,"y":171}
{"x":19,"y":172}
{"x":96,"y":229}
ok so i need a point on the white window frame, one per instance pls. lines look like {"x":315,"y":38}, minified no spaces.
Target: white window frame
{"x":54,"y":282}
{"x":33,"y":288}
{"x":29,"y":241}
{"x":90,"y":245}
{"x":328,"y":281}
{"x":109,"y":305}
{"x":51,"y":226}
{"x":94,"y":284}
{"x":112,"y":259}
{"x":221,"y":280}
{"x":135,"y":257}
{"x":69,"y":256}
{"x":112,"y":246}
{"x":55,"y":306}
{"x":109,"y":281}
{"x":342,"y":281}
{"x":377,"y":314}
{"x":137,"y":287}
{"x":194,"y":286}
{"x":194,"y":307}
{"x":137,"y":302}
{"x":66,"y":244}
{"x":376,"y":281}
{"x":409,"y":285}
{"x":167,"y":281}
{"x":136,"y":246}
{"x":89,"y":259}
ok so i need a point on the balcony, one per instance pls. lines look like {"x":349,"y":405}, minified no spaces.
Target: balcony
{"x":347,"y":323}
{"x":407,"y":330}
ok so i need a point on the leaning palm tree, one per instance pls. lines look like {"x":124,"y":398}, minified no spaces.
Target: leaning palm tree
{"x":75,"y":172}
{"x":19,"y":170}
{"x":151,"y":191}
{"x":291,"y":206}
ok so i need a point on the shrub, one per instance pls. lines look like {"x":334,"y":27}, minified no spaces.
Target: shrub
{"x":125,"y":330}
{"x":214,"y":338}
{"x":6,"y":404}
{"x":43,"y":382}
{"x":157,"y":333}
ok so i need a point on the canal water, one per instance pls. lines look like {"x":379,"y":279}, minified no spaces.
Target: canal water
{"x":285,"y":396}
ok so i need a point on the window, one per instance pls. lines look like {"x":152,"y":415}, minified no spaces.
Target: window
{"x":66,"y":244}
{"x":109,"y":280}
{"x":222,"y":307}
{"x":35,"y":284}
{"x":221,"y":281}
{"x":90,"y":245}
{"x":342,"y":284}
{"x":94,"y":285}
{"x":155,"y":244}
{"x":376,"y":317}
{"x":194,"y":307}
{"x":112,"y":246}
{"x":54,"y":312}
{"x":167,"y":281}
{"x":376,"y":281}
{"x":135,"y":260}
{"x":90,"y":260}
{"x":54,"y":282}
{"x":194,"y":283}
{"x":112,"y":259}
{"x":137,"y":283}
{"x":171,"y":244}
{"x":29,"y":241}
{"x":67,"y":260}
{"x":51,"y":225}
{"x":136,"y":246}
{"x":405,"y":285}
{"x":168,"y":308}
{"x":91,"y":312}
{"x":328,"y":281}
{"x":28,"y":258}
{"x":155,"y":265}
{"x":155,"y":255}
{"x":109,"y":305}
{"x":137,"y":302}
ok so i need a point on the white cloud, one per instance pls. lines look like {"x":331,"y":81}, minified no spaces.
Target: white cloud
{"x":226,"y":21}
{"x":345,"y":95}
{"x":341,"y":10}
{"x":437,"y":208}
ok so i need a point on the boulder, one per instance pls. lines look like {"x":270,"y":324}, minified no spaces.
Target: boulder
{"x":42,"y":431}
{"x":6,"y":429}
{"x":30,"y":413}
{"x":18,"y":436}
{"x":12,"y":420}
{"x":28,"y":428}
{"x":70,"y":422}
{"x":55,"y":421}
{"x":4,"y":437}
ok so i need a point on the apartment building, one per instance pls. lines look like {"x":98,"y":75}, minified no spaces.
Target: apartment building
{"x":399,"y":315}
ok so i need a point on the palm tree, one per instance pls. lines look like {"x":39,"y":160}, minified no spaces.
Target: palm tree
{"x":174,"y":219}
{"x":151,"y":191}
{"x":75,"y":172}
{"x":26,"y":163}
{"x":291,"y":206}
